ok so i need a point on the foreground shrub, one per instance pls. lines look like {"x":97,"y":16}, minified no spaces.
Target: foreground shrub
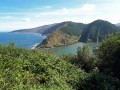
{"x":84,"y":59}
{"x":109,"y":55}
{"x":98,"y":81}
{"x":22,"y":68}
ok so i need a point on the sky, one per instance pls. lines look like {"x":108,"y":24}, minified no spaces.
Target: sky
{"x":24,"y":14}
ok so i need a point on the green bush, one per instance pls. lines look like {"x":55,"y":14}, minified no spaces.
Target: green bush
{"x":25,"y":69}
{"x":98,"y":81}
{"x":109,"y":55}
{"x":22,"y":68}
{"x":86,"y":60}
{"x":70,"y":57}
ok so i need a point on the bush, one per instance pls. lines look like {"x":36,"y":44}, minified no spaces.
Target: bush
{"x":22,"y":68}
{"x":109,"y":55}
{"x":70,"y":57}
{"x":86,"y":60}
{"x":98,"y":81}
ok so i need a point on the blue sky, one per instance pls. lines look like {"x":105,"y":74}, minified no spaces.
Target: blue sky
{"x":22,"y":14}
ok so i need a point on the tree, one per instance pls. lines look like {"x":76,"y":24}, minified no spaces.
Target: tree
{"x":109,"y":55}
{"x":85,"y":59}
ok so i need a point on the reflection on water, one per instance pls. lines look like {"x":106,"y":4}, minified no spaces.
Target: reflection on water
{"x":71,"y":48}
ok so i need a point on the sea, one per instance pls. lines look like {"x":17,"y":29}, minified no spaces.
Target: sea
{"x":27,"y":40}
{"x":30,"y":40}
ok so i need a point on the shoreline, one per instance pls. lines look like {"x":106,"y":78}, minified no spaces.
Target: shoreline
{"x":34,"y":46}
{"x":55,"y":46}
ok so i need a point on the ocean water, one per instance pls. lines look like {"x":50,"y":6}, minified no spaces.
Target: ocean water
{"x":71,"y":48}
{"x":27,"y":40}
{"x":30,"y":40}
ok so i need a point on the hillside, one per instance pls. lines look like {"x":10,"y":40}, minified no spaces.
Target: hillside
{"x":44,"y":30}
{"x":97,"y":30}
{"x":67,"y":34}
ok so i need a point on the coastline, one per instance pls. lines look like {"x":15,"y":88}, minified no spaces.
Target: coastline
{"x":53,"y":46}
{"x":34,"y":46}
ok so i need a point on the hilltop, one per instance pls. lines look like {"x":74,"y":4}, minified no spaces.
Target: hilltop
{"x":71,"y":33}
{"x":97,"y":30}
{"x":67,"y":34}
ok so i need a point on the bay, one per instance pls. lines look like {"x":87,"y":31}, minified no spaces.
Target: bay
{"x":71,"y":48}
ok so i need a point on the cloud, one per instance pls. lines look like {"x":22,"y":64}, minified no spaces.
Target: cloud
{"x":64,"y":9}
{"x":26,"y":20}
{"x":44,"y":7}
{"x":21,"y":13}
{"x":37,"y":16}
{"x":86,"y":13}
{"x":48,"y":7}
{"x":85,"y":9}
{"x":88,"y":7}
{"x":7,"y":17}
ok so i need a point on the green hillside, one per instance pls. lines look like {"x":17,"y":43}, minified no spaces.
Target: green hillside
{"x":70,"y":33}
{"x":67,"y":34}
{"x":72,"y":28}
{"x":97,"y":30}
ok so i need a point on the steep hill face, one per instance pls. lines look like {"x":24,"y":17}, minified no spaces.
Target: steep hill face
{"x":97,"y":30}
{"x":44,"y":30}
{"x":67,"y":34}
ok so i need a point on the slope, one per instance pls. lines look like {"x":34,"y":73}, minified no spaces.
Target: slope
{"x":44,"y":30}
{"x":67,"y":34}
{"x":97,"y":30}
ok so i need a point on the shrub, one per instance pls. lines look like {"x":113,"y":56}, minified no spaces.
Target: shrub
{"x":109,"y":55}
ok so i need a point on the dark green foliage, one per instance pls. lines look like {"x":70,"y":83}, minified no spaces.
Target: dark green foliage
{"x":25,"y":69}
{"x":72,"y":28}
{"x":98,"y":81}
{"x":94,"y":80}
{"x":70,"y":57}
{"x":22,"y":68}
{"x":85,"y":59}
{"x":109,"y":55}
{"x":97,"y":30}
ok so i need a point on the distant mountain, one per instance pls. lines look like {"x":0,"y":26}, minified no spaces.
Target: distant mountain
{"x":67,"y":34}
{"x":118,"y":24}
{"x":44,"y":30}
{"x":97,"y":30}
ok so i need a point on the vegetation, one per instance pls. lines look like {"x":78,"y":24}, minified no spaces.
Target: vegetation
{"x":56,"y":39}
{"x":109,"y":55}
{"x":102,"y":68}
{"x":84,"y":59}
{"x":72,"y":28}
{"x":97,"y":30}
{"x":70,"y":32}
{"x":65,"y":35}
{"x":43,"y":30}
{"x":23,"y":69}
